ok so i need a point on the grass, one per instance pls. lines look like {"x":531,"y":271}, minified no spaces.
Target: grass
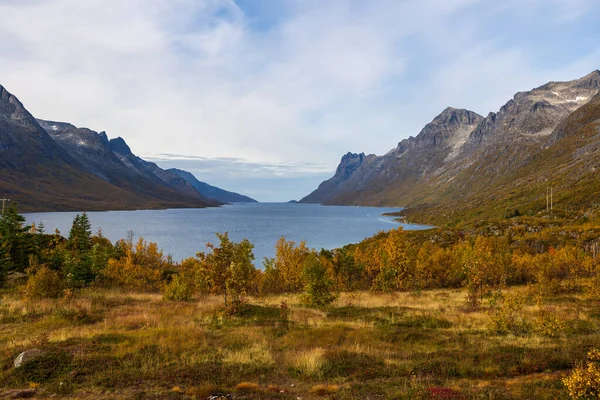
{"x":106,"y":344}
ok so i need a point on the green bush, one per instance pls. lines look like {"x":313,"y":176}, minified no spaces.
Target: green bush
{"x":179,"y":289}
{"x":317,"y":282}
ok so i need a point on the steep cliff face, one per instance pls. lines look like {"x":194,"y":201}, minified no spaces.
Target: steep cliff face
{"x":460,"y":154}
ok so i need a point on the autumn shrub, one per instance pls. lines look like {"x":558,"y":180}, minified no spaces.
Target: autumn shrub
{"x":141,"y":268}
{"x":584,"y":381}
{"x":436,"y":267}
{"x":227,"y":270}
{"x":289,"y":262}
{"x":547,"y":321}
{"x":506,"y":314}
{"x":179,"y":289}
{"x":43,"y":283}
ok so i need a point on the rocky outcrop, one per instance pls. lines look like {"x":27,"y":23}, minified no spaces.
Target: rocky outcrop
{"x":27,"y":356}
{"x":349,"y":165}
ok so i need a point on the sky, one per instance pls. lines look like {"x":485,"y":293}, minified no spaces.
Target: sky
{"x":263,"y":97}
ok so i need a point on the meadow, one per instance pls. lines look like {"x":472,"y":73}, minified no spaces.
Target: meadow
{"x":105,"y":343}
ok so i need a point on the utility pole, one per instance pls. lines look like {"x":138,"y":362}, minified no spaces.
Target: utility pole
{"x":550,"y":198}
{"x":547,"y":201}
{"x":3,"y":201}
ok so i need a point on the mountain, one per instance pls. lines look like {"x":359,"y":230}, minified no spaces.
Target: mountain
{"x":463,"y":163}
{"x":69,"y":169}
{"x":361,"y":179}
{"x":121,"y":168}
{"x":209,"y":191}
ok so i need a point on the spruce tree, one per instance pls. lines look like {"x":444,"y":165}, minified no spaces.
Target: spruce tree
{"x":4,"y":261}
{"x":80,"y":235}
{"x":78,"y":265}
{"x":15,"y":237}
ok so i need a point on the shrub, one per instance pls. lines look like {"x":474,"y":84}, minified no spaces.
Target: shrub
{"x":548,"y":322}
{"x":248,"y":387}
{"x":506,"y":314}
{"x":317,"y":283}
{"x":179,"y":289}
{"x":42,"y":284}
{"x":141,"y":268}
{"x":584,"y":381}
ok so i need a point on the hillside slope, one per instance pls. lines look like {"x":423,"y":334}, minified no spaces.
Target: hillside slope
{"x":505,"y":160}
{"x":44,"y":174}
{"x":209,"y":191}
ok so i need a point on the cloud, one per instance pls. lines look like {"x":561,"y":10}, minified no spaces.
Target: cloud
{"x":282,"y":87}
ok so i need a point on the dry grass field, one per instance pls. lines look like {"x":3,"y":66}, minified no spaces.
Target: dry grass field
{"x":105,"y":344}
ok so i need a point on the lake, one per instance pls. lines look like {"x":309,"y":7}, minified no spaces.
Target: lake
{"x":184,"y":232}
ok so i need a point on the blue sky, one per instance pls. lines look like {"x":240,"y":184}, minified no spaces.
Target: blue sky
{"x":264,"y":96}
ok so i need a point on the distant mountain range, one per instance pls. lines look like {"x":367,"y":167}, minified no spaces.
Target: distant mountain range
{"x":48,"y":165}
{"x":209,"y":191}
{"x":462,"y":165}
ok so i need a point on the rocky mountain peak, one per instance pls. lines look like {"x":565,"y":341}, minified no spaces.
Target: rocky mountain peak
{"x":350,"y":162}
{"x":104,"y":138}
{"x":533,"y":115}
{"x":450,"y":129}
{"x":456,"y":117}
{"x":119,"y":146}
{"x":12,"y":109}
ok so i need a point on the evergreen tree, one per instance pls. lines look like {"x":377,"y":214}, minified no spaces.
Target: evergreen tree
{"x":4,"y":260}
{"x":80,"y":235}
{"x":78,"y":266}
{"x":15,"y":237}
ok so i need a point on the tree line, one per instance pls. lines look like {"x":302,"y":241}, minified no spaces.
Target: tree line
{"x":396,"y":260}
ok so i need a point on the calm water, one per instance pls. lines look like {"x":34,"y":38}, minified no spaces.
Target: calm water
{"x":184,"y":232}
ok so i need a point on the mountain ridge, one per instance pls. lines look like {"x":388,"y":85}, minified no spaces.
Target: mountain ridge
{"x":54,"y":166}
{"x":486,"y":159}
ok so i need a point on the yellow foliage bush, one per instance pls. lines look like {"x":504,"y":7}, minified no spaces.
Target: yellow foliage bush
{"x":141,"y":268}
{"x":506,"y":314}
{"x":43,"y":283}
{"x":584,"y":381}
